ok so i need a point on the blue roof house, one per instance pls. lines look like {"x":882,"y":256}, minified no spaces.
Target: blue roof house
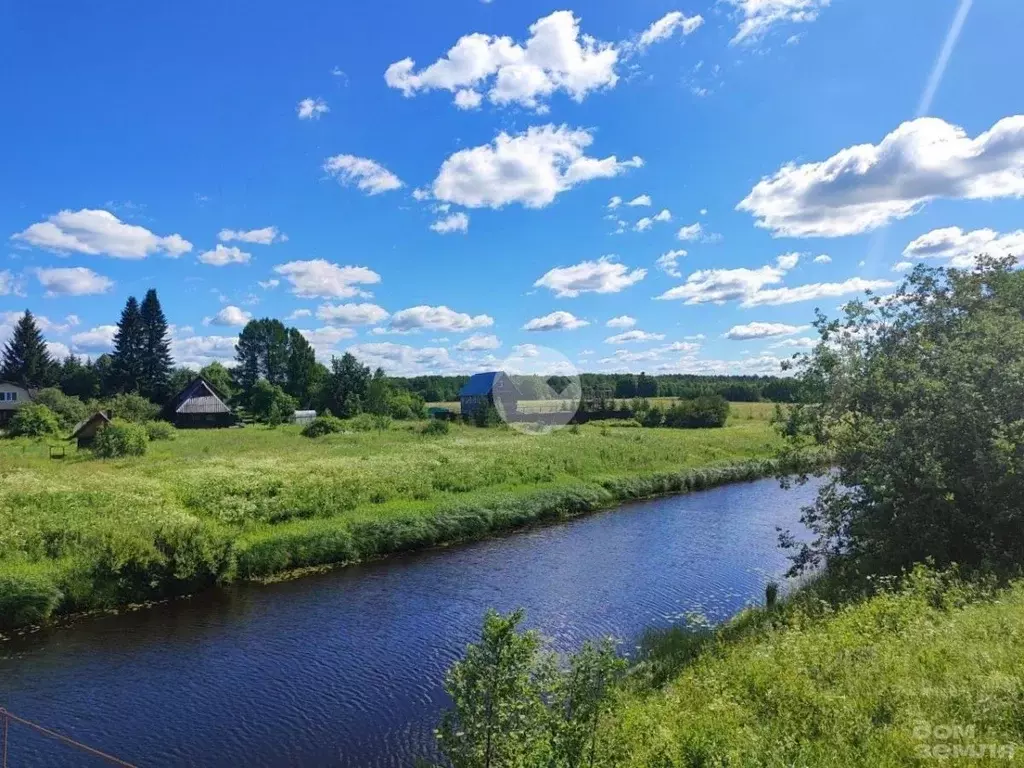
{"x":492,"y":388}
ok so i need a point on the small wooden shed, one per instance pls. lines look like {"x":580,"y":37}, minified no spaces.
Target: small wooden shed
{"x":199,"y":405}
{"x":85,"y":431}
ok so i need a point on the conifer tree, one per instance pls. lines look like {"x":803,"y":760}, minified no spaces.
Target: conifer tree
{"x":129,"y":347}
{"x":26,"y":360}
{"x":156,"y":350}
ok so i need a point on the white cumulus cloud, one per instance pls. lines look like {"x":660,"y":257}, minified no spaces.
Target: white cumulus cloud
{"x":622,"y":321}
{"x":529,"y":168}
{"x":73,"y":281}
{"x":479,"y":341}
{"x":229,"y":316}
{"x":758,"y":16}
{"x":601,"y":276}
{"x":264,"y":236}
{"x":812,"y":291}
{"x":98,"y":339}
{"x":667,"y":25}
{"x":96,"y":233}
{"x":556,"y":57}
{"x":368,"y":175}
{"x":634,"y":337}
{"x":222,"y":255}
{"x":403,"y":360}
{"x":311,"y":109}
{"x":352,"y":314}
{"x":640,"y":201}
{"x":456,"y":222}
{"x":437,"y":319}
{"x":556,"y":321}
{"x":319,"y":278}
{"x":822,"y":258}
{"x":669,"y":262}
{"x":961,"y":248}
{"x":864,"y":187}
{"x":762,"y":331}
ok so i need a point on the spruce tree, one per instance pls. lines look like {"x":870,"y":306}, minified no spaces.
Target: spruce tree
{"x":26,"y":359}
{"x":129,"y":347}
{"x":156,"y":351}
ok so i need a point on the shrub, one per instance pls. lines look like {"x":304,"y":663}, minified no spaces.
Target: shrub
{"x":270,"y":404}
{"x":160,"y":430}
{"x":486,"y":417}
{"x":26,"y":599}
{"x":34,"y":421}
{"x":323,"y":425}
{"x":436,"y":427}
{"x":364,"y":422}
{"x":701,"y":412}
{"x":131,"y":407}
{"x":120,"y":438}
{"x":652,"y":417}
{"x":69,"y":410}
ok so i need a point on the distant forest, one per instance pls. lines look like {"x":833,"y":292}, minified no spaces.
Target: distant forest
{"x":738,"y":389}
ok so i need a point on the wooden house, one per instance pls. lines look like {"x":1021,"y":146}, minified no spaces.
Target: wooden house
{"x":12,"y":397}
{"x":492,"y":388}
{"x":85,"y":432}
{"x":199,"y":405}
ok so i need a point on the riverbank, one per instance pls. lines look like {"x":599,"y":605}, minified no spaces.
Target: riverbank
{"x":930,"y":670}
{"x":212,"y":507}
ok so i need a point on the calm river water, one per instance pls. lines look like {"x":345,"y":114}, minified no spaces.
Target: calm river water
{"x":345,"y":668}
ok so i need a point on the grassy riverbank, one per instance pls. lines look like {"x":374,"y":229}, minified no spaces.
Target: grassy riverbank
{"x":214,"y":506}
{"x":932,"y":670}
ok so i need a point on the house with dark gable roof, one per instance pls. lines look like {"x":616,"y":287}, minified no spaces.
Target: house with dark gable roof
{"x":199,"y":405}
{"x":491,"y":388}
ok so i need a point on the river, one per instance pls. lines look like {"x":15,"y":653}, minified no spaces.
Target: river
{"x":345,"y":668}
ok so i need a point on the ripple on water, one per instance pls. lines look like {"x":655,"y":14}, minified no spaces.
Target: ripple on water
{"x":346,"y":668}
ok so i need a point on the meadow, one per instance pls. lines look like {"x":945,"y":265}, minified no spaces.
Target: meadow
{"x":212,"y":506}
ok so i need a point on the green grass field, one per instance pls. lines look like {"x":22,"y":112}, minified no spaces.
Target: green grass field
{"x":215,"y":505}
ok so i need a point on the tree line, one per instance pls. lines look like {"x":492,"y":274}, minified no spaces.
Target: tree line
{"x":275,"y":369}
{"x":626,"y":386}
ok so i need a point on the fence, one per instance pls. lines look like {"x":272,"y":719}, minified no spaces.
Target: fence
{"x":6,"y":718}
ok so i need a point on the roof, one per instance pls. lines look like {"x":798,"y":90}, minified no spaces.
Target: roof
{"x":479,"y":384}
{"x":198,"y":397}
{"x":484,"y":383}
{"x":91,"y":421}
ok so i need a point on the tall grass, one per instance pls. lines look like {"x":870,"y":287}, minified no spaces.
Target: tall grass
{"x":932,"y":669}
{"x":212,"y":506}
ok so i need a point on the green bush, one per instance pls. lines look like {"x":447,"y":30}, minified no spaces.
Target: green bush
{"x":120,"y":438}
{"x":69,"y":410}
{"x":436,"y":427}
{"x":270,"y":404}
{"x":486,"y":417}
{"x":652,"y":417}
{"x":160,"y":430}
{"x":26,"y":598}
{"x":364,"y":422}
{"x":701,"y":412}
{"x":323,"y":425}
{"x":131,"y":407}
{"x":34,"y":421}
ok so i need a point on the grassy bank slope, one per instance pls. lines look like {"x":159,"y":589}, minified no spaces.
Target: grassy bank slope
{"x":213,"y":506}
{"x":882,"y":683}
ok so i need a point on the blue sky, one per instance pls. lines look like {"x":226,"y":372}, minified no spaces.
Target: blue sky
{"x":433,"y":185}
